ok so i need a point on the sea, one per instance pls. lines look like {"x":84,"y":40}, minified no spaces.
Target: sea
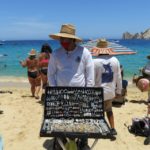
{"x":11,"y":52}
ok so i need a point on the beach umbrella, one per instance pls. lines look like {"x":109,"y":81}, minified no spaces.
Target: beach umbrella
{"x":113,"y":48}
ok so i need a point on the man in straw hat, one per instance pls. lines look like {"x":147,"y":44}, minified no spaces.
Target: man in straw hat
{"x":108,"y":76}
{"x":32,"y":65}
{"x":71,"y":64}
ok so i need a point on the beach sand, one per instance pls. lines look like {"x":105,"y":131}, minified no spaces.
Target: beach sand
{"x":21,"y":117}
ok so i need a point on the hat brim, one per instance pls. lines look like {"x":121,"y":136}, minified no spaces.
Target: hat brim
{"x":65,"y":35}
{"x":96,"y":51}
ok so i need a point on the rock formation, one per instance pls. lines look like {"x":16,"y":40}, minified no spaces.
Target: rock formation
{"x":142,"y":35}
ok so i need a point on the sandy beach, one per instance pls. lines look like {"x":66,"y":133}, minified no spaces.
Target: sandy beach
{"x":21,"y":117}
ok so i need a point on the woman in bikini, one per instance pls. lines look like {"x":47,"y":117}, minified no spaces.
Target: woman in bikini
{"x":32,"y":65}
{"x":43,"y":64}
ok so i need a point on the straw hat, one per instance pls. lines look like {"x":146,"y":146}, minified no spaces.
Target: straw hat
{"x":102,"y":43}
{"x":32,"y":52}
{"x":67,"y":31}
{"x":101,"y":48}
{"x":143,"y":84}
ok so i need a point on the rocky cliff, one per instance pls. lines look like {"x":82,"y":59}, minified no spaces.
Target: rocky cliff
{"x":142,"y":35}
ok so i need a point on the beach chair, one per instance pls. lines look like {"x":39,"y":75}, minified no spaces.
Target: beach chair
{"x":73,"y":113}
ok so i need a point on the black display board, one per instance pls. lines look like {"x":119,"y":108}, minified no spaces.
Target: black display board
{"x":74,"y":112}
{"x":73,"y":102}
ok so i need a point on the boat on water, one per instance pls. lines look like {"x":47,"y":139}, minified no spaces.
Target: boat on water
{"x":3,"y":55}
{"x":1,"y":43}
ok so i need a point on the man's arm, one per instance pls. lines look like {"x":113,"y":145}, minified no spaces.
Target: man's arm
{"x":52,"y":71}
{"x":89,"y":69}
{"x":23,"y":63}
{"x":118,"y":80}
{"x":97,"y":74}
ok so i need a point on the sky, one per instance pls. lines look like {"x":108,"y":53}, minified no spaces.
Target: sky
{"x":36,"y":19}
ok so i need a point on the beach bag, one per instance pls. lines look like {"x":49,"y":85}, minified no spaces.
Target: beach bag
{"x":140,"y":127}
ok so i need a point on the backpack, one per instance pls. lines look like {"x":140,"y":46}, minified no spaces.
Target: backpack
{"x":140,"y":127}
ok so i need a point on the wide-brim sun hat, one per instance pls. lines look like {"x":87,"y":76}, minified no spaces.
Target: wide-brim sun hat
{"x":101,"y":48}
{"x":143,"y":84}
{"x":67,"y":31}
{"x":102,"y":43}
{"x":101,"y":51}
{"x":32,"y":52}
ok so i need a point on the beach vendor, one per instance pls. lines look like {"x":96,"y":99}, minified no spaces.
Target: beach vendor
{"x":71,"y":64}
{"x":34,"y":77}
{"x":44,"y":57}
{"x":108,"y":76}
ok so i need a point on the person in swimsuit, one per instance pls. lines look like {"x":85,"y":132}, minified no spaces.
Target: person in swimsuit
{"x":34,"y":77}
{"x":43,"y":63}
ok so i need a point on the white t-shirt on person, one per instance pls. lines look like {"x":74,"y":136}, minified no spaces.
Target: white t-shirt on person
{"x":74,"y":68}
{"x":108,"y":75}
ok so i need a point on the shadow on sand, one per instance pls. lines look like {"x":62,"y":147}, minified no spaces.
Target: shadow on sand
{"x":27,"y":96}
{"x":3,"y":92}
{"x":119,"y":104}
{"x":139,"y":101}
{"x":48,"y":144}
{"x":1,"y":112}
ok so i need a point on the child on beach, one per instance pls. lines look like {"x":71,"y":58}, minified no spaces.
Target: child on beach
{"x":32,"y":65}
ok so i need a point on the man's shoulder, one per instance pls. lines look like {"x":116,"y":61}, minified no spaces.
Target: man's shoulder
{"x":85,"y":50}
{"x":57,"y":51}
{"x":113,"y":58}
{"x":97,"y":61}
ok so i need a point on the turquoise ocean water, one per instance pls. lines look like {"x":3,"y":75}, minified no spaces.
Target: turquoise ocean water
{"x":18,"y":50}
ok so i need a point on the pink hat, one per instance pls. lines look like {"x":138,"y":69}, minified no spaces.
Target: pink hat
{"x":143,"y":84}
